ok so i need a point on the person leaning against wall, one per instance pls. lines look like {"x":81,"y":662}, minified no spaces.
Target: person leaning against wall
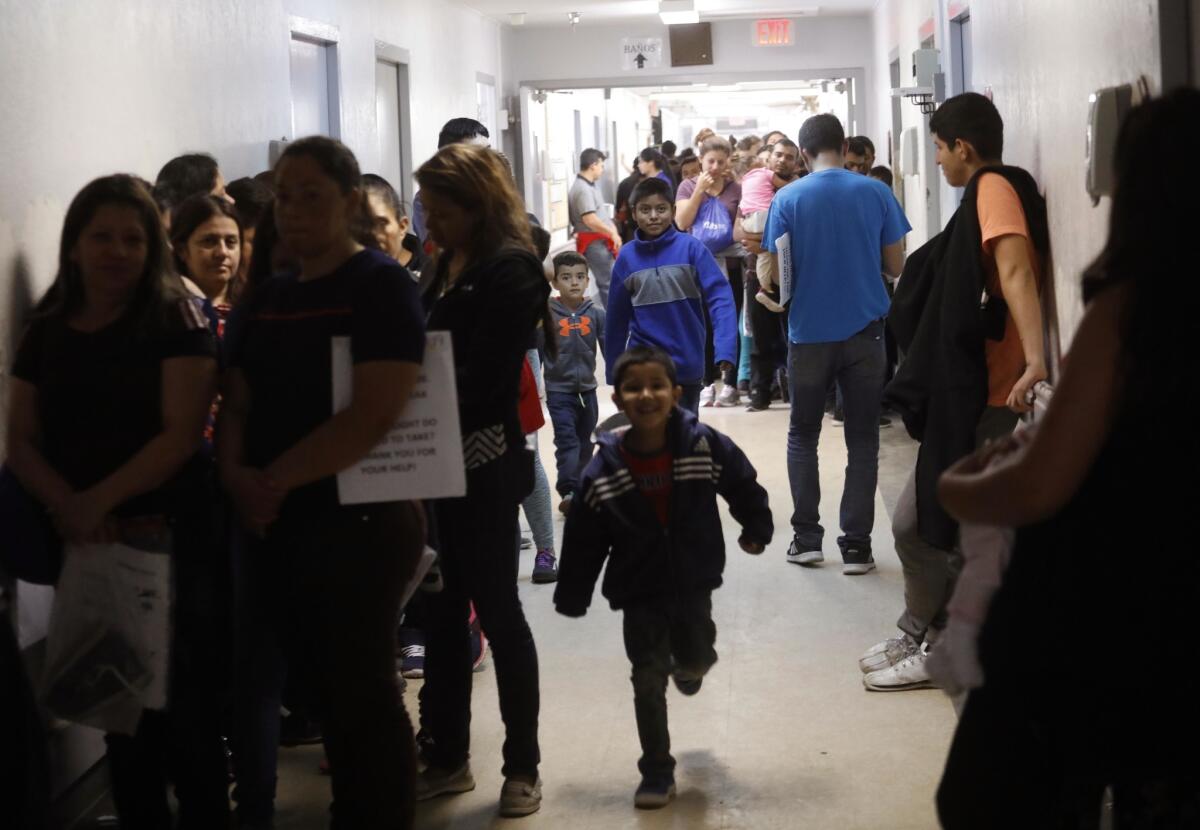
{"x":1084,"y":646}
{"x":997,"y":242}
{"x":117,"y":338}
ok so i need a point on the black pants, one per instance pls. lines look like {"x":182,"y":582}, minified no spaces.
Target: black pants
{"x":182,"y":744}
{"x":478,"y":532}
{"x":768,"y":351}
{"x":733,"y":268}
{"x":1011,"y":765}
{"x":662,"y":635}
{"x":340,"y":574}
{"x":24,"y":766}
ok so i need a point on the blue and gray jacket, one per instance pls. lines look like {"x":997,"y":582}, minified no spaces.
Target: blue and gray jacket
{"x":660,"y":288}
{"x":576,"y":334}
{"x":610,"y":519}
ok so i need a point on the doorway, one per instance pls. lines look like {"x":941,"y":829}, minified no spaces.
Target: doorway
{"x":392,"y":119}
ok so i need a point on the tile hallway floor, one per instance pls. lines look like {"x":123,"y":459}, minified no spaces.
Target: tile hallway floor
{"x":781,"y":736}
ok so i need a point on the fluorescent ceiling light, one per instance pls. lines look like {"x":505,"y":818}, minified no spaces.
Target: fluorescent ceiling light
{"x":673,"y":12}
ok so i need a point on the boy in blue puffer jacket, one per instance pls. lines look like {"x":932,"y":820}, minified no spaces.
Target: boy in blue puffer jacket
{"x":648,"y":504}
{"x":662,"y":283}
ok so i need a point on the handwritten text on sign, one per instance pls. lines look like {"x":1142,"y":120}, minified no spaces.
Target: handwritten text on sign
{"x":641,"y":52}
{"x":421,"y":457}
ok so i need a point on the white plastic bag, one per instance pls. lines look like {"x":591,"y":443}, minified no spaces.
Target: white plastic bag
{"x":108,"y":646}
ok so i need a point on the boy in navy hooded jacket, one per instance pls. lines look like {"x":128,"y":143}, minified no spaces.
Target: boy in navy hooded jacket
{"x":661,"y":284}
{"x":648,"y":505}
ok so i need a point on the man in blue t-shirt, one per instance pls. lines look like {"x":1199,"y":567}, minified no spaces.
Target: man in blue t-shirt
{"x":830,"y":231}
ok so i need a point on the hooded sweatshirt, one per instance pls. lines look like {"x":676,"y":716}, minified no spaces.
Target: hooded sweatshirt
{"x":576,"y":334}
{"x":658,"y":296}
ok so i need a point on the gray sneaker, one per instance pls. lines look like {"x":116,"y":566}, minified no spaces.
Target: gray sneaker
{"x":434,"y":782}
{"x":807,"y":558}
{"x":518,"y":798}
{"x":888,"y":653}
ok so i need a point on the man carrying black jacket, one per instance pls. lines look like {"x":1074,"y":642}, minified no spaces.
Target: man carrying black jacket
{"x":968,"y":367}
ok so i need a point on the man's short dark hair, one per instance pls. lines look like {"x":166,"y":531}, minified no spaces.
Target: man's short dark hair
{"x":589,"y":157}
{"x":185,"y":176}
{"x":568,"y":258}
{"x":870,"y":145}
{"x":785,"y":142}
{"x":251,"y":199}
{"x":640,"y":356}
{"x":856,"y":145}
{"x":972,"y":118}
{"x":884,"y":174}
{"x":821,"y":133}
{"x":668,"y":148}
{"x":461,"y":129}
{"x":652,"y":186}
{"x":541,"y":241}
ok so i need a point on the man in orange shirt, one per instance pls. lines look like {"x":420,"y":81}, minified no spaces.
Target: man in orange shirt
{"x":969,"y":135}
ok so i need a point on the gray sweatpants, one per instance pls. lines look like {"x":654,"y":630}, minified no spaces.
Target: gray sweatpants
{"x":931,"y":572}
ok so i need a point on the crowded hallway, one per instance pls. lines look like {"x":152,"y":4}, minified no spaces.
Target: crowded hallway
{"x":390,"y":389}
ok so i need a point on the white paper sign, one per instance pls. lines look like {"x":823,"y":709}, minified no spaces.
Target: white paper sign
{"x":641,"y":53}
{"x":784,"y":247}
{"x":421,"y":457}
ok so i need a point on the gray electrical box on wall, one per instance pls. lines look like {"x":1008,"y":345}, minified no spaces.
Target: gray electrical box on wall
{"x":275,"y":150}
{"x":1106,"y":110}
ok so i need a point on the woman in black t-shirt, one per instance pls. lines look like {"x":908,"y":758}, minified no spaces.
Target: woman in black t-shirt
{"x":495,"y":294}
{"x":111,"y":385}
{"x":330,"y":574}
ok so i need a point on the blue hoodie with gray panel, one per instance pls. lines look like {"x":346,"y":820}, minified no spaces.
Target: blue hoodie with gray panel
{"x":660,"y":289}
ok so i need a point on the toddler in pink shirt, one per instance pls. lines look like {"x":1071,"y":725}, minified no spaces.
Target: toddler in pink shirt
{"x":758,"y":189}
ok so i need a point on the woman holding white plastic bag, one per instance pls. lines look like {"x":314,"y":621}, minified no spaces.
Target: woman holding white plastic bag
{"x":111,"y":384}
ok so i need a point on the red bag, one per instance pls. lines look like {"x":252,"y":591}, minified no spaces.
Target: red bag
{"x":529,"y":406}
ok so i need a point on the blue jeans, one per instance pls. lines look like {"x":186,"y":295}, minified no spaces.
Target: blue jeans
{"x":857,"y":364}
{"x":574,"y":415}
{"x":600,"y":264}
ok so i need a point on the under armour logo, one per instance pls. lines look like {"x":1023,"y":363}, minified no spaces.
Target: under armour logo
{"x":566,"y":326}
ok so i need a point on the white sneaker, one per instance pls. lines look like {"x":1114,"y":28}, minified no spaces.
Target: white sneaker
{"x":518,"y":798}
{"x":888,"y":653}
{"x":909,"y":673}
{"x":708,"y":395}
{"x":729,"y":397}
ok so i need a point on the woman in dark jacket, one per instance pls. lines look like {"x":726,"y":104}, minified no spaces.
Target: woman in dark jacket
{"x":494,"y":296}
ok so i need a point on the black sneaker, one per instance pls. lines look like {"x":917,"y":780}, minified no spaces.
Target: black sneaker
{"x":758,"y":404}
{"x":884,"y":422}
{"x":808,"y":558}
{"x":297,"y":730}
{"x":654,"y":794}
{"x":856,"y":562}
{"x":687,"y":685}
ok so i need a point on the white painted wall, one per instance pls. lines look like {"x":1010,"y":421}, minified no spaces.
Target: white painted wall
{"x":1040,"y":59}
{"x":592,"y":53}
{"x":92,"y":87}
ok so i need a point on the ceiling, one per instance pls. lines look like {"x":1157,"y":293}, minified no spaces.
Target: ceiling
{"x":554,"y":12}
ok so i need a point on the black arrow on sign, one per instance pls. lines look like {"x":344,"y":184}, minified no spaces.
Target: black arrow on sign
{"x":640,"y":60}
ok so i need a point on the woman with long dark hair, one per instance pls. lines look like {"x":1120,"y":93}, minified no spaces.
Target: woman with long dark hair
{"x":328,"y":575}
{"x":653,"y":163}
{"x":111,"y":385}
{"x":1086,"y":646}
{"x":495,"y":294}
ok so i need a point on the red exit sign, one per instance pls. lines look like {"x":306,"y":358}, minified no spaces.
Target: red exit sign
{"x":773,"y":32}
